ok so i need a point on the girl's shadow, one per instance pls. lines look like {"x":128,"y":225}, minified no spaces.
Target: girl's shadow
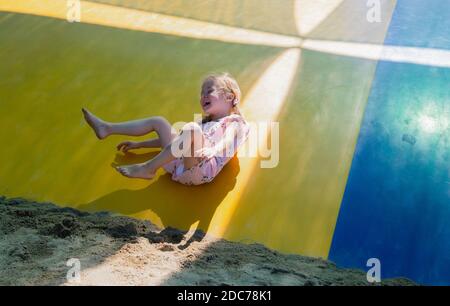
{"x":175,"y":204}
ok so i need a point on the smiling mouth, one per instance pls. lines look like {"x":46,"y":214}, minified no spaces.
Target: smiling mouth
{"x":206,"y":104}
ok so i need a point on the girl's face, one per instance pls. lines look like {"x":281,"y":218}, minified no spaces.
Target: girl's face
{"x":214,"y":100}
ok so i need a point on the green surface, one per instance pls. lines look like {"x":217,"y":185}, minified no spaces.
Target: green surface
{"x":51,"y":68}
{"x":294,"y":206}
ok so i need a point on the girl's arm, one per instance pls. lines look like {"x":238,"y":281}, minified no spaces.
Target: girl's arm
{"x":129,"y":145}
{"x":151,"y":143}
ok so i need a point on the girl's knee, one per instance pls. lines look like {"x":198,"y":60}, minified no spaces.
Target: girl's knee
{"x":160,"y":120}
{"x":192,"y":138}
{"x":193,"y":130}
{"x":192,"y":126}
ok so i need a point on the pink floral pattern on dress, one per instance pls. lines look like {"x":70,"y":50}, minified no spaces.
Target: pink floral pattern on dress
{"x":208,"y":168}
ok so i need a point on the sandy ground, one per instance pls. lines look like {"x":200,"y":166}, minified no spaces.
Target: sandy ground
{"x":37,"y":240}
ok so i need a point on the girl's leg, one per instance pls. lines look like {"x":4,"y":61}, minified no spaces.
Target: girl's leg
{"x":196,"y":133}
{"x":148,"y":169}
{"x":132,"y":128}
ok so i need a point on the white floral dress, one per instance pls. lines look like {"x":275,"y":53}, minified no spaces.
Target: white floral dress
{"x":208,"y":167}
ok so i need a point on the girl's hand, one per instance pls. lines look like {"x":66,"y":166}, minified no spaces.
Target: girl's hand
{"x":127,"y":145}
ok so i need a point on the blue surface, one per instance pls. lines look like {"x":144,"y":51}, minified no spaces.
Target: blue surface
{"x":420,"y":23}
{"x":396,"y":205}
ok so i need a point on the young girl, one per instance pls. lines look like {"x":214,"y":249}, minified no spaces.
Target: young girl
{"x":207,"y":145}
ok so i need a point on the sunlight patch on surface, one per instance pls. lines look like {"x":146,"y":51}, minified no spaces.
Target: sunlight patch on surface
{"x":263,"y":104}
{"x":419,"y":56}
{"x":433,"y":119}
{"x":428,"y":123}
{"x":125,"y":18}
{"x":310,"y":13}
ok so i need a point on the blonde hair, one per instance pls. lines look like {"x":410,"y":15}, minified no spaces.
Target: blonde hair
{"x":230,"y":85}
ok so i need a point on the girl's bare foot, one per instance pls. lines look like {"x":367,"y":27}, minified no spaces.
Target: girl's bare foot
{"x":100,"y":127}
{"x":142,"y":171}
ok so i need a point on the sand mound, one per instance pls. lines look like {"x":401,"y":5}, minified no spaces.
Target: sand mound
{"x":37,"y":240}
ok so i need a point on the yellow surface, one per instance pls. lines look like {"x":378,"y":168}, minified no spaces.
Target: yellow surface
{"x":123,"y":72}
{"x":54,"y":156}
